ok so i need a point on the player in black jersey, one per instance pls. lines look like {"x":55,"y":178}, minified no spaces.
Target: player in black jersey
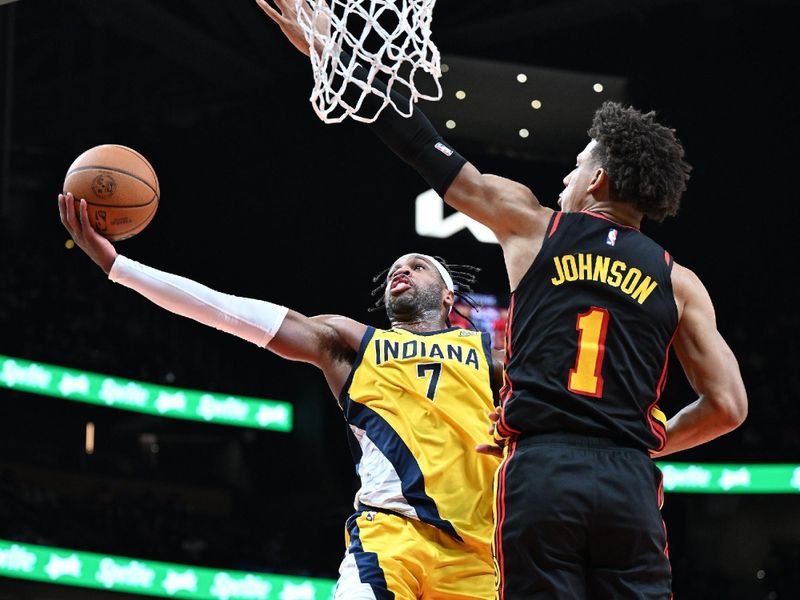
{"x":596,"y":307}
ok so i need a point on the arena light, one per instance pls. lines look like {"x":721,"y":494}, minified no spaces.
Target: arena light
{"x":164,"y":580}
{"x":126,"y":394}
{"x":514,"y":90}
{"x":89,"y":445}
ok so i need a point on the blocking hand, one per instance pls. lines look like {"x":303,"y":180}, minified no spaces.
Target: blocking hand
{"x":286,"y":18}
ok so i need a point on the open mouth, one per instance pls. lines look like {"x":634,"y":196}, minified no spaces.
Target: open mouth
{"x":400,"y":283}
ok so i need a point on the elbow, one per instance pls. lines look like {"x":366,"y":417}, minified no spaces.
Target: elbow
{"x":734,"y":412}
{"x":741,"y":411}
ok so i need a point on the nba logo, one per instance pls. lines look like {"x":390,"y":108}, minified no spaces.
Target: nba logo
{"x":443,"y":149}
{"x":611,"y":240}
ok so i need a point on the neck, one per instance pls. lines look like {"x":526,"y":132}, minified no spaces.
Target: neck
{"x":623,"y":213}
{"x":424,"y":321}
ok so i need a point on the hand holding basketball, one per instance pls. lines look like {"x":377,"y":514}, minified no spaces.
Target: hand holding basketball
{"x":120,"y":188}
{"x":98,"y":248}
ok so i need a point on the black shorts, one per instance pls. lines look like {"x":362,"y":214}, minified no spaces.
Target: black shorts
{"x":579,"y":518}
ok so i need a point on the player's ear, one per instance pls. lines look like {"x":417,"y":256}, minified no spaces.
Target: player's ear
{"x":449,"y":299}
{"x":598,"y":181}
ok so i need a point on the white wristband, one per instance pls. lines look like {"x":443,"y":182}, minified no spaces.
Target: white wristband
{"x":256,"y":321}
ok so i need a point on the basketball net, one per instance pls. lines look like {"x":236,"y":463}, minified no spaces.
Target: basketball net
{"x":391,"y":39}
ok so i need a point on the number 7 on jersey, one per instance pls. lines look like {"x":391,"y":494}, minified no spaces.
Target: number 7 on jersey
{"x":435,"y":370}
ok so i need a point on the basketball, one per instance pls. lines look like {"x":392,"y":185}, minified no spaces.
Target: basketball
{"x":120,"y":188}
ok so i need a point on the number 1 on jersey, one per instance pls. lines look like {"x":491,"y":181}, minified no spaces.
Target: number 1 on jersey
{"x":435,"y":370}
{"x":585,"y":377}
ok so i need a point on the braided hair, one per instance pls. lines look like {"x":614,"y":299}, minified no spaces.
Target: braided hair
{"x":464,"y":277}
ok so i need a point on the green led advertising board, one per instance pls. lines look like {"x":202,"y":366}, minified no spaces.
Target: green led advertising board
{"x":104,"y":390}
{"x":731,"y":478}
{"x":151,"y":578}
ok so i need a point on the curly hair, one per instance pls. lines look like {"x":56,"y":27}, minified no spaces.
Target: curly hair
{"x":464,"y":276}
{"x":643,"y":159}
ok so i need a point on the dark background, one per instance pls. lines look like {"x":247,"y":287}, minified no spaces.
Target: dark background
{"x":261,"y":199}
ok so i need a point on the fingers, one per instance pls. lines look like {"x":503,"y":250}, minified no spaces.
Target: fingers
{"x":75,"y":220}
{"x":72,"y":221}
{"x":264,"y":6}
{"x":271,"y":12}
{"x":490,"y":449}
{"x":62,"y":208}
{"x":494,"y":415}
{"x":86,"y":225}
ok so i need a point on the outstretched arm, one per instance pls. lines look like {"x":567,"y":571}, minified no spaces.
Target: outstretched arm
{"x":508,"y":208}
{"x":710,"y":367}
{"x":327,"y":342}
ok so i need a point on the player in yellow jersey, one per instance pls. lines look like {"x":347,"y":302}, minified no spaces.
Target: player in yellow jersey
{"x":415,"y":397}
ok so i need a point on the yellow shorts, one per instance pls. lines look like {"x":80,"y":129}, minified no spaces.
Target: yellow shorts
{"x":389,"y":556}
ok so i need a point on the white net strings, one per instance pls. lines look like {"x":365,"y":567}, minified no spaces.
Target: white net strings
{"x":404,"y":50}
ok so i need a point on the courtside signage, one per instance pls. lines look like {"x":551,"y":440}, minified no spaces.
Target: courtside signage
{"x":126,"y":394}
{"x":165,"y":580}
{"x":731,"y":479}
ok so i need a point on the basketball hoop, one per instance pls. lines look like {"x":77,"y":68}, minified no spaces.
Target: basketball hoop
{"x":391,"y":39}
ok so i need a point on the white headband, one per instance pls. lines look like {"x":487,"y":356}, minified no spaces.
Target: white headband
{"x":448,"y":281}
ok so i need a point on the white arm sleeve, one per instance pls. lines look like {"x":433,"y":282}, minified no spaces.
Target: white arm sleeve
{"x":253,"y":320}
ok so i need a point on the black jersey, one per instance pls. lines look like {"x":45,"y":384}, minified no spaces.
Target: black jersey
{"x":588,"y":337}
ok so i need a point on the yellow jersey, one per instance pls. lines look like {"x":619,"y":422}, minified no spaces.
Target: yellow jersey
{"x":416,"y":406}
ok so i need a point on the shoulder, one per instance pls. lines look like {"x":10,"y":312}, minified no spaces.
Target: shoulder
{"x":684,"y":280}
{"x":345,"y":329}
{"x":689,"y":291}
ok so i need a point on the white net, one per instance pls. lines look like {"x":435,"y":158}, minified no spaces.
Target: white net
{"x":391,"y":39}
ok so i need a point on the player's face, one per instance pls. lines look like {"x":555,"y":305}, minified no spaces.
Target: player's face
{"x":413,"y":286}
{"x":576,"y":196}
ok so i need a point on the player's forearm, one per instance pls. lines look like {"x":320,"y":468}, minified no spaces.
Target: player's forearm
{"x":253,"y":320}
{"x":414,"y":139}
{"x":504,"y":206}
{"x":698,"y":423}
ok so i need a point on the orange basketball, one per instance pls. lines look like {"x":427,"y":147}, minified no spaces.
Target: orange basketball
{"x":120,"y":188}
